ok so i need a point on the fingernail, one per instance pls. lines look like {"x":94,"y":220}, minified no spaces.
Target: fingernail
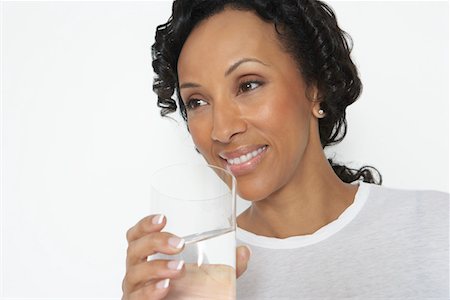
{"x":176,"y":242}
{"x":175,"y":265}
{"x":157,"y":219}
{"x":163,"y":284}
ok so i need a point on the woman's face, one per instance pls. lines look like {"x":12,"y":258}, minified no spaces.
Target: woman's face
{"x":246,"y":101}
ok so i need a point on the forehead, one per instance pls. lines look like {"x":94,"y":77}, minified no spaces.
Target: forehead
{"x":226,"y":37}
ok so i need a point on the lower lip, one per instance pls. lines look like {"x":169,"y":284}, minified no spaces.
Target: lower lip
{"x":247,"y":167}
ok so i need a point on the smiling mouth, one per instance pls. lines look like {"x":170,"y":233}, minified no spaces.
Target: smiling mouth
{"x":244,"y":163}
{"x":245,"y":157}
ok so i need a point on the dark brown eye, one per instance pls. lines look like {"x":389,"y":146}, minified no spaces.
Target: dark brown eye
{"x":249,"y":85}
{"x":195,"y":103}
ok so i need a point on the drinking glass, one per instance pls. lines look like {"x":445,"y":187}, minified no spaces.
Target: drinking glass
{"x":199,"y":202}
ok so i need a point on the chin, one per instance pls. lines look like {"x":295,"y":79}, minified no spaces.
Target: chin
{"x":251,"y":192}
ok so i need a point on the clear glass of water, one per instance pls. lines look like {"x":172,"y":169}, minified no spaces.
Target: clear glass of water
{"x":199,"y":203}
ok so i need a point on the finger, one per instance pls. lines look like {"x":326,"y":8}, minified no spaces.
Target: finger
{"x":156,"y":242}
{"x":243,"y":254}
{"x":147,"y":225}
{"x":155,"y":291}
{"x":140,"y":274}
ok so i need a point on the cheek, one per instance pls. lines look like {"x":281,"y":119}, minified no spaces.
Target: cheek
{"x":283,"y":120}
{"x":200,"y":134}
{"x":282,"y":113}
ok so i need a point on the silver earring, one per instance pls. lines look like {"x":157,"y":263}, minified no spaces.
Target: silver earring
{"x":320,"y":111}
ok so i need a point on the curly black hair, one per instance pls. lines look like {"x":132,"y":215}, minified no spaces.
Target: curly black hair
{"x":307,"y":29}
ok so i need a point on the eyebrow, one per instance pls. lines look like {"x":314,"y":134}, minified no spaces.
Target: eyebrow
{"x":230,"y":70}
{"x":240,"y":62}
{"x":189,"y":85}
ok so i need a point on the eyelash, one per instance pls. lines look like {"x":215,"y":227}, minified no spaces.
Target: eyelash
{"x":193,"y":103}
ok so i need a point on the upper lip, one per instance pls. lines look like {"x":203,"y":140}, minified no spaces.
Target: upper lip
{"x":241,"y":150}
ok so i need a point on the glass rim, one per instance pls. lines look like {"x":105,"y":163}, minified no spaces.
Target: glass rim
{"x":232,"y":190}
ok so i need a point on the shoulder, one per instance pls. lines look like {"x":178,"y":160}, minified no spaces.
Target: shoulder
{"x":414,"y":205}
{"x":411,"y":197}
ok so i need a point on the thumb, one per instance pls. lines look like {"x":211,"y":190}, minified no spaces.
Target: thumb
{"x":243,"y":254}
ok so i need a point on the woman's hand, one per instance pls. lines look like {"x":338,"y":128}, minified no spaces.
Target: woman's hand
{"x":150,"y":279}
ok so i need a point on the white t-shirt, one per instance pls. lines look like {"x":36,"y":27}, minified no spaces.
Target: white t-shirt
{"x":389,"y":244}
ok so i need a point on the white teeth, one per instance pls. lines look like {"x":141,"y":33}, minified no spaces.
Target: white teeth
{"x":246,"y":157}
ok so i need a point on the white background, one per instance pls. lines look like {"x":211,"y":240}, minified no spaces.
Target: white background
{"x":81,"y":134}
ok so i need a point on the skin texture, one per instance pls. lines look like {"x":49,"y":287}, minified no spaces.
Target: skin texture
{"x":293,"y":189}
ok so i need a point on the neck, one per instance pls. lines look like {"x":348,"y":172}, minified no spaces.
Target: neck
{"x":314,"y":197}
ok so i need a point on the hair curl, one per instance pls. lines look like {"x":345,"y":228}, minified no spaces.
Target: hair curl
{"x":308,"y":30}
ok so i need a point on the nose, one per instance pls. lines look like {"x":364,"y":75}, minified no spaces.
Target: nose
{"x":227,"y":122}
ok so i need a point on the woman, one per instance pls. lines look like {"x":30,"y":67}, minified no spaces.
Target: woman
{"x":263,"y":87}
